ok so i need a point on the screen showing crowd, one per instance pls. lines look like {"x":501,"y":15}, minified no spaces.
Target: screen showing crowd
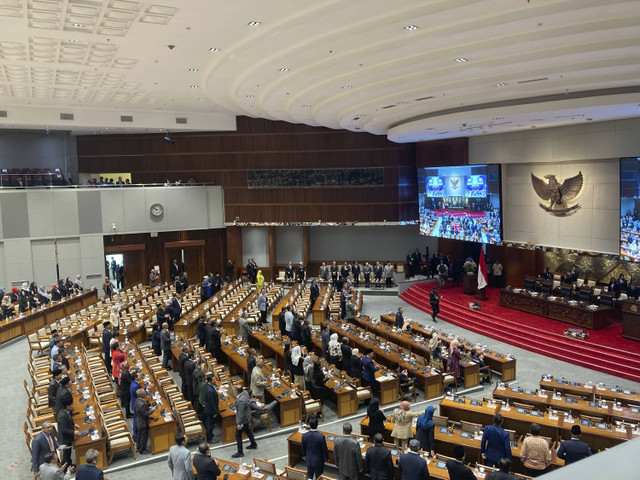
{"x":462,"y":203}
{"x":630,"y":209}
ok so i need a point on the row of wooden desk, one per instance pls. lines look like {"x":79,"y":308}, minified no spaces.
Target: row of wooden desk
{"x":34,"y":320}
{"x":591,"y":391}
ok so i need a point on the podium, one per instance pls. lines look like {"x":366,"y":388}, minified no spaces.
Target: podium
{"x":631,"y":319}
{"x":469,"y":284}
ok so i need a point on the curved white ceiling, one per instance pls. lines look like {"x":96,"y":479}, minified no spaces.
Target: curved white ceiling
{"x":412,"y":70}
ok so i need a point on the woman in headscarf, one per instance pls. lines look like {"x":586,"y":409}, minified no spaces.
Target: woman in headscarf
{"x":307,"y":366}
{"x":23,"y":299}
{"x":334,"y":352}
{"x":79,"y":283}
{"x":43,"y":296}
{"x":376,"y":418}
{"x":259,"y":280}
{"x":70,"y":285}
{"x":33,"y":288}
{"x":114,"y":317}
{"x":424,"y":431}
{"x":297,"y":363}
{"x":318,"y":381}
{"x":402,"y":423}
{"x":56,"y":295}
{"x":453,"y":364}
{"x":118,"y":356}
{"x":288,"y":366}
{"x":7,"y":308}
{"x":434,"y":347}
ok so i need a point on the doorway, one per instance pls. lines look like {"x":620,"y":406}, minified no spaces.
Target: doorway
{"x":131,"y":262}
{"x":114,"y":268}
{"x":190,"y":258}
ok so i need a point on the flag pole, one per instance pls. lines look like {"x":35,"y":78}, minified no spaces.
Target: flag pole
{"x":481,"y":293}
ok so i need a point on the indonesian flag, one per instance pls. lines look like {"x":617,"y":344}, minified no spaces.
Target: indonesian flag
{"x":482,"y":272}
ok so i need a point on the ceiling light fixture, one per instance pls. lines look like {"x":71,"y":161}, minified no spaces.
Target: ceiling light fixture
{"x":347,"y":87}
{"x":284,"y":69}
{"x":193,"y":69}
{"x":194,"y":86}
{"x":309,"y":106}
{"x":78,"y":25}
{"x":253,"y":23}
{"x":411,"y":27}
{"x":203,"y":98}
{"x":214,"y":49}
{"x":250,"y":96}
{"x":500,"y":84}
{"x":461,"y":60}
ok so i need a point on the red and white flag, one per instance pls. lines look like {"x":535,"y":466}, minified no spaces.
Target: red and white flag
{"x":482,"y":271}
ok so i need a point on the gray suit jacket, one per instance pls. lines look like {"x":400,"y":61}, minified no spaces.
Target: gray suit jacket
{"x":348,"y":456}
{"x":180,"y":463}
{"x":243,"y":408}
{"x":50,"y":471}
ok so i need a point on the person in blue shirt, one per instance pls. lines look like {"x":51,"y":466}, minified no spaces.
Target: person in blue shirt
{"x":133,"y":391}
{"x":314,"y":449}
{"x":495,"y":442}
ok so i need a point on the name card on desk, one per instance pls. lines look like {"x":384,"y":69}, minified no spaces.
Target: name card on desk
{"x":167,"y":418}
{"x":95,"y":436}
{"x":501,"y":388}
{"x":566,"y":420}
{"x":621,"y":430}
{"x":505,"y":408}
{"x":542,"y":395}
{"x":553,"y":417}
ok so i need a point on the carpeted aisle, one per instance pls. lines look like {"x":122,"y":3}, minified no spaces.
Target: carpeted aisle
{"x":605,"y":350}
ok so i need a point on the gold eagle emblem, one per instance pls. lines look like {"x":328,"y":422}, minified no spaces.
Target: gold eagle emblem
{"x":454,"y":182}
{"x":558,"y":194}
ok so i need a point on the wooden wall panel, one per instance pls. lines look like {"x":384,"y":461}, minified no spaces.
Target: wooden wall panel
{"x":223,"y":158}
{"x":438,"y":153}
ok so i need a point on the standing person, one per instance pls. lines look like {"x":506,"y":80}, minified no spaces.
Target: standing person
{"x":154,"y":278}
{"x":504,"y":464}
{"x":378,"y":462}
{"x":302,"y":273}
{"x":211,"y":408}
{"x":333,"y":356}
{"x":180,"y":459}
{"x":453,"y":363}
{"x":535,"y":453}
{"x":229,"y":268}
{"x":208,"y":468}
{"x":456,"y":468}
{"x":348,"y":457}
{"x":125,"y":386}
{"x":495,"y":443}
{"x":305,"y":335}
{"x":366,"y":271}
{"x":243,"y":327}
{"x":388,"y":274}
{"x":66,"y":430}
{"x":443,"y":273}
{"x":288,"y":321}
{"x":53,"y":387}
{"x":435,"y":347}
{"x":262,"y":305}
{"x":497,"y":274}
{"x":369,"y":370}
{"x":174,"y":270}
{"x":434,"y":300}
{"x":176,"y":309}
{"x":214,"y":338}
{"x":243,"y":421}
{"x":202,"y":329}
{"x":411,"y":465}
{"x":399,"y":323}
{"x":314,"y":293}
{"x":118,"y":357}
{"x":297,"y":362}
{"x":184,"y":355}
{"x":402,"y":424}
{"x":143,"y":412}
{"x":334,"y":274}
{"x":355,"y":271}
{"x":424,"y":431}
{"x":345,"y":352}
{"x":349,"y":311}
{"x":314,"y":449}
{"x":574,"y":449}
{"x":258,"y":380}
{"x":189,"y":368}
{"x":355,"y":370}
{"x":133,"y":395}
{"x":377,"y":272}
{"x":49,"y":469}
{"x":165,"y":337}
{"x":259,"y":280}
{"x":43,"y":443}
{"x":376,"y":418}
{"x":107,"y":335}
{"x":325,"y":336}
{"x":107,"y":287}
{"x":289,"y":272}
{"x":90,"y":470}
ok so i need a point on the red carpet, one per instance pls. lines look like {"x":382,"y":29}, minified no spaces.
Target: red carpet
{"x":605,"y":350}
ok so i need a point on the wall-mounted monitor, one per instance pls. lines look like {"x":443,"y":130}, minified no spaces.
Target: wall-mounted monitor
{"x":630,"y":209}
{"x":461,"y":202}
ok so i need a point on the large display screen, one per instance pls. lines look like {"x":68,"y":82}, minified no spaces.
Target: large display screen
{"x":630,"y":209}
{"x":463,"y":203}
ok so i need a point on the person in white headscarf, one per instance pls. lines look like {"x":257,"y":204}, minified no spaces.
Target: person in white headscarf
{"x":114,"y":317}
{"x":334,"y":354}
{"x":79,"y":283}
{"x":43,"y":296}
{"x":297,"y":361}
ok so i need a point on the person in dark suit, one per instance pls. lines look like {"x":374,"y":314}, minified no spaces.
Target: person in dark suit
{"x":314,"y":293}
{"x":302,"y":273}
{"x":345,"y":349}
{"x":434,"y":300}
{"x":495,"y":442}
{"x":202,"y":330}
{"x":143,"y":412}
{"x":181,"y":359}
{"x":165,"y":340}
{"x":314,"y":449}
{"x":133,"y":389}
{"x":573,"y":450}
{"x":43,"y":443}
{"x":174,"y":270}
{"x":456,"y":468}
{"x":214,"y":336}
{"x":229,"y":268}
{"x":176,"y":309}
{"x":189,"y":367}
{"x":355,"y":271}
{"x":288,"y":272}
{"x":356,"y":364}
{"x":378,"y":462}
{"x":243,"y":421}
{"x":208,"y":468}
{"x":107,"y":335}
{"x":54,"y":385}
{"x":66,"y":430}
{"x":504,"y":464}
{"x":334,"y":274}
{"x":211,"y":401}
{"x":369,"y":370}
{"x":63,"y":395}
{"x":347,"y":454}
{"x":325,"y":335}
{"x":90,"y":470}
{"x":411,"y":465}
{"x":399,"y":319}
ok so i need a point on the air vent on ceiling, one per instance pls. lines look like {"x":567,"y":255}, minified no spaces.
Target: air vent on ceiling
{"x":66,"y":116}
{"x":181,"y":120}
{"x":534,"y":80}
{"x":126,"y":118}
{"x":388,"y":106}
{"x":3,"y":113}
{"x":423,"y":98}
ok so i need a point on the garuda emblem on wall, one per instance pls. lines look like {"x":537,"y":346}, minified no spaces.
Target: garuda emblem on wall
{"x":558,"y":194}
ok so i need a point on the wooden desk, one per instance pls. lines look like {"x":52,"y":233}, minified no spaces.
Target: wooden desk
{"x":294,"y":447}
{"x":321,"y":307}
{"x":590,"y":391}
{"x":269,"y":345}
{"x":498,"y":362}
{"x":631,"y":319}
{"x":556,"y":309}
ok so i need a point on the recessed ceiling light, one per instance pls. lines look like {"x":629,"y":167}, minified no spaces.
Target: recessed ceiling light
{"x":74,"y":41}
{"x":500,"y":84}
{"x":250,"y":96}
{"x":411,"y":27}
{"x":214,"y":49}
{"x":253,"y":23}
{"x":194,"y":86}
{"x":77,"y":105}
{"x":284,"y":69}
{"x":78,"y":25}
{"x":401,"y":103}
{"x":347,"y":87}
{"x":306,"y":106}
{"x":193,"y":69}
{"x":461,"y":60}
{"x":203,"y":98}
